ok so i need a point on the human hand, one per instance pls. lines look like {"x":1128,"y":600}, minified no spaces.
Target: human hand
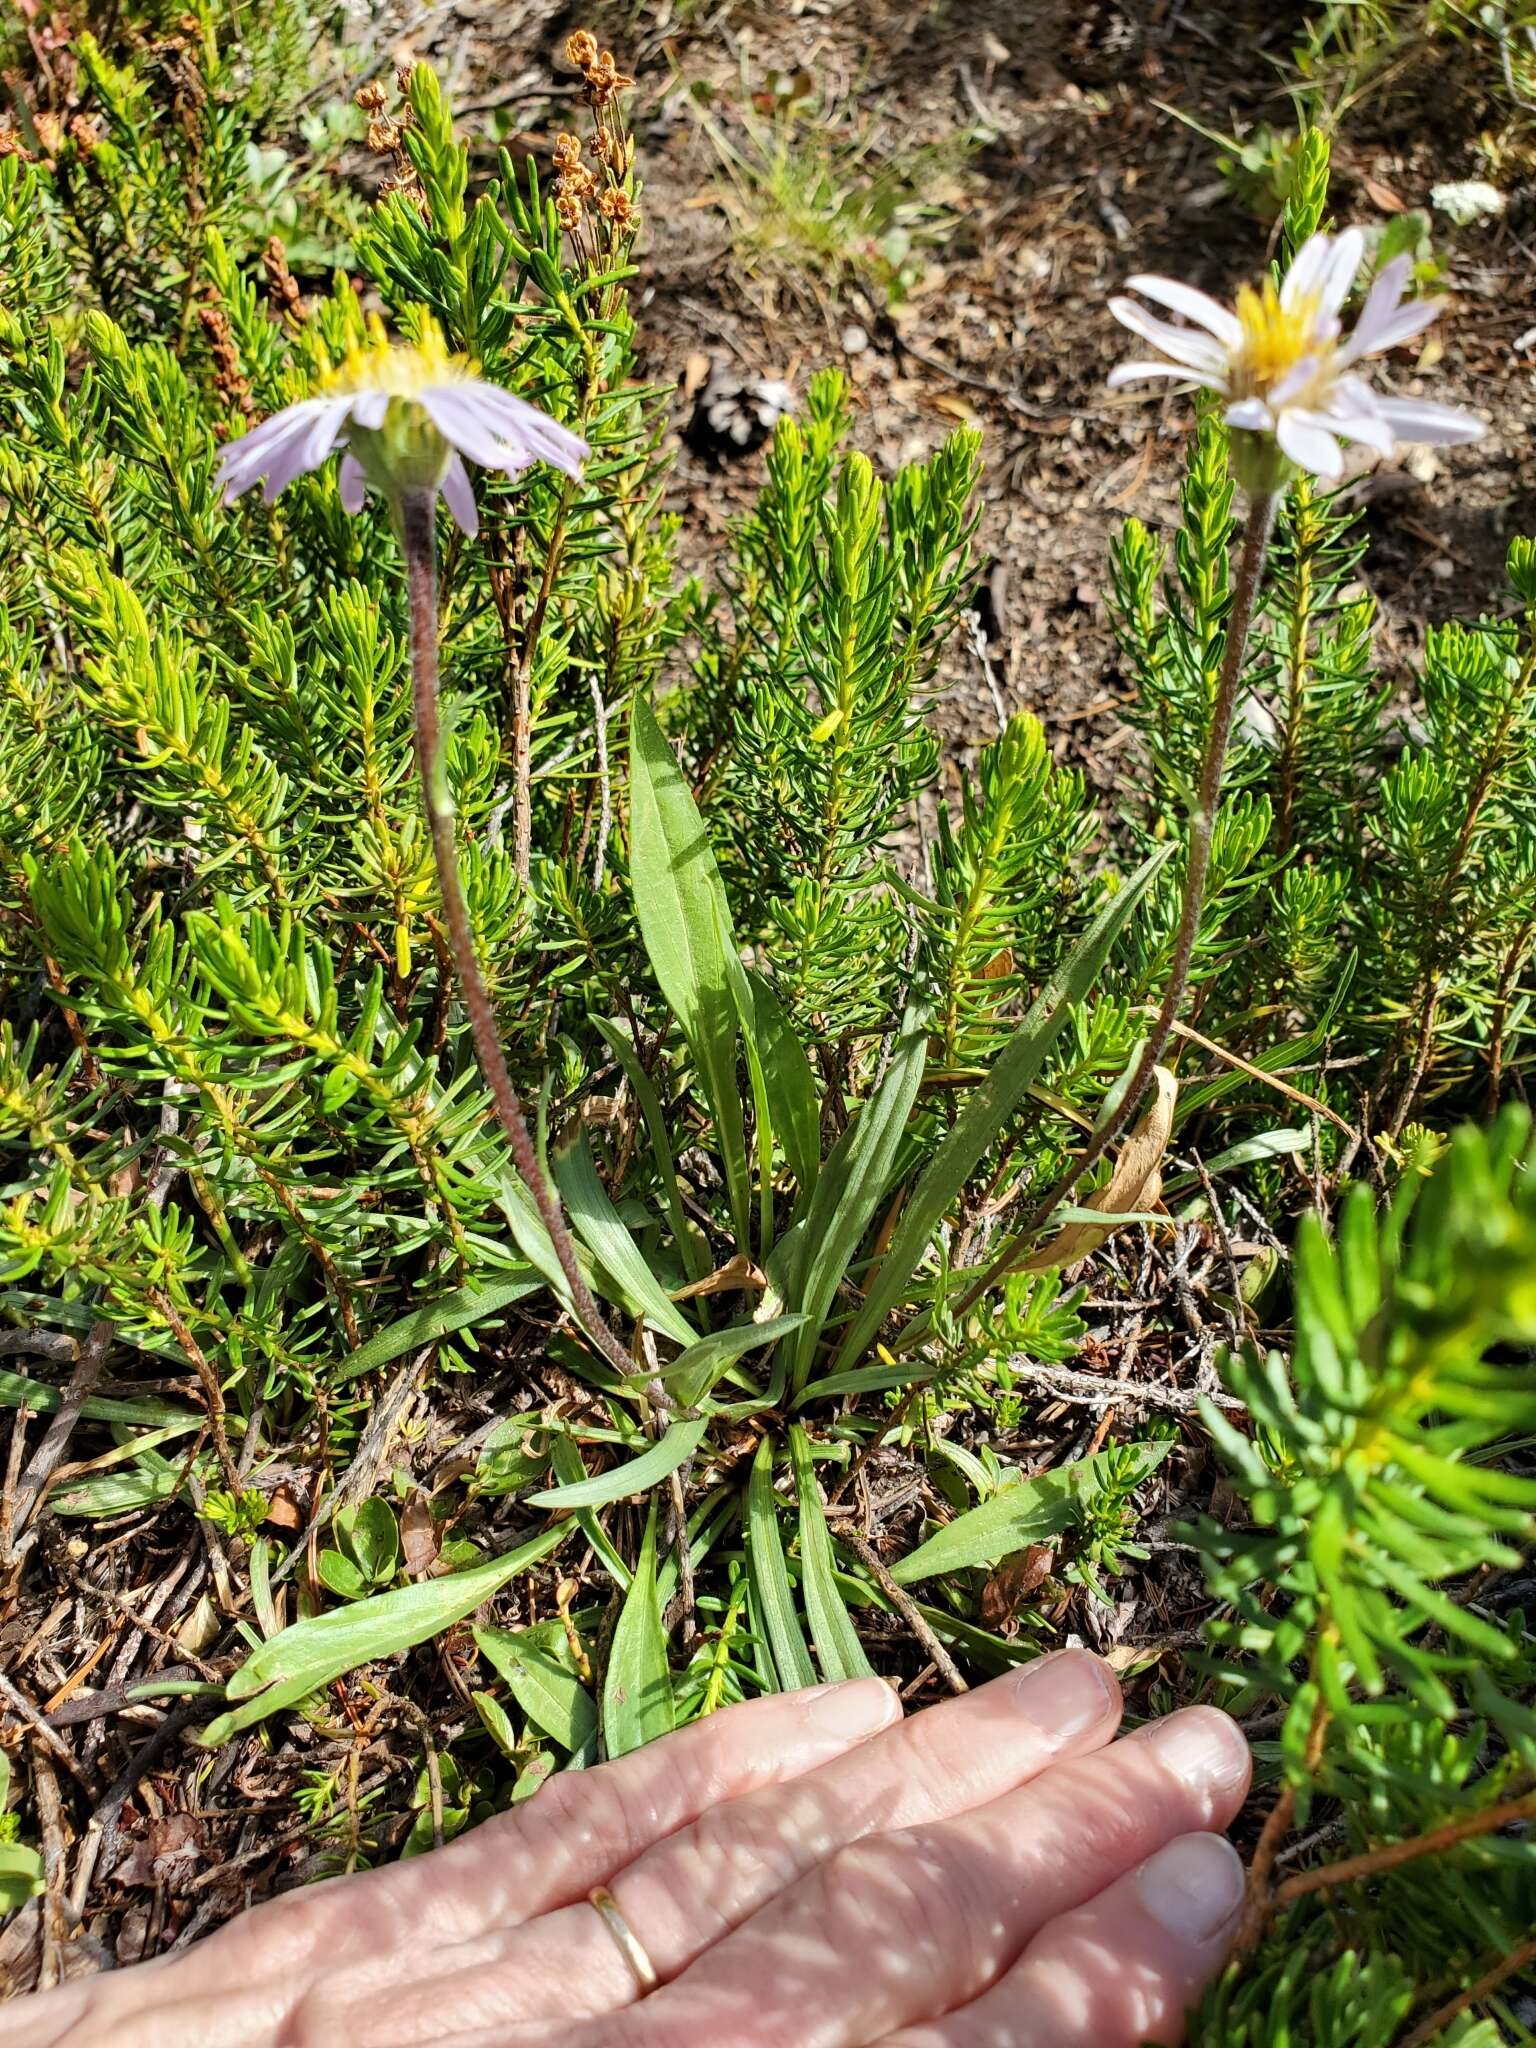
{"x":806,"y":1871}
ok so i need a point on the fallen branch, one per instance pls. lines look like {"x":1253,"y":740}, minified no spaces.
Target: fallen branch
{"x":906,"y":1607}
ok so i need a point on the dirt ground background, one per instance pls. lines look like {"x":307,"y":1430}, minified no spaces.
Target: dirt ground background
{"x":1078,"y":173}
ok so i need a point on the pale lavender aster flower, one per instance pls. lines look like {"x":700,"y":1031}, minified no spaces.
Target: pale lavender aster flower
{"x":1282,"y":362}
{"x":404,"y":418}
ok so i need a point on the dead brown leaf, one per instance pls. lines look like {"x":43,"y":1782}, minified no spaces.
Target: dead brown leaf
{"x":165,"y":1853}
{"x":1135,"y":1184}
{"x":1012,"y":1583}
{"x":730,"y":1278}
{"x":283,"y":1510}
{"x":420,"y":1537}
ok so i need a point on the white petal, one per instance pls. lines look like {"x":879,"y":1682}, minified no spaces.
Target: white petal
{"x":1128,"y":373}
{"x":527,"y":426}
{"x":1415,"y":419}
{"x":1406,"y":322}
{"x":1340,"y":270}
{"x":1295,"y":381}
{"x":352,"y":484}
{"x":312,"y":450}
{"x":1324,"y":269}
{"x":1196,"y":306}
{"x":1381,"y":302}
{"x":1310,"y":447}
{"x":459,"y":497}
{"x":1367,"y":427}
{"x":460,"y":424}
{"x":1353,"y":397}
{"x":1393,"y":328}
{"x":1180,"y":344}
{"x":369,"y":408}
{"x":1252,"y":415}
{"x":1302,"y":278}
{"x":242,"y":461}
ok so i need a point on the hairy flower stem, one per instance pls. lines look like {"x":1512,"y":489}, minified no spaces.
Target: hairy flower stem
{"x":1202,"y":826}
{"x":417,"y":518}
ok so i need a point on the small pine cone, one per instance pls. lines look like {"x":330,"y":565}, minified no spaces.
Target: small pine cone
{"x":406,"y":185}
{"x":1104,"y":45}
{"x":228,"y":378}
{"x":736,"y":413}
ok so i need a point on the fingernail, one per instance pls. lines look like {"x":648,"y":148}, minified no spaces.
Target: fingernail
{"x":1067,"y":1693}
{"x":1194,"y":1887}
{"x":856,"y":1707}
{"x":1202,"y":1746}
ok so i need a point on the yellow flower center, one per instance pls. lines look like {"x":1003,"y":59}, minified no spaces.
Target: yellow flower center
{"x":399,"y":369}
{"x":1275,"y":337}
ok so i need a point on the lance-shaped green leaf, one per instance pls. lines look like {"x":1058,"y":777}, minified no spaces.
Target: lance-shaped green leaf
{"x":791,"y":1086}
{"x":838,"y":1649}
{"x":685,"y":922}
{"x":691,"y":1376}
{"x":690,"y":1239}
{"x":19,"y":1391}
{"x":21,"y":1868}
{"x":1030,"y":1511}
{"x":638,"y":1475}
{"x":543,"y":1684}
{"x":601,"y":1229}
{"x":638,"y":1704}
{"x":773,"y":1599}
{"x":480,"y":1301}
{"x":852,"y":1184}
{"x":311,"y":1653}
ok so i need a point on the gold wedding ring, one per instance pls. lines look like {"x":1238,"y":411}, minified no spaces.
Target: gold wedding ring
{"x":641,"y":1968}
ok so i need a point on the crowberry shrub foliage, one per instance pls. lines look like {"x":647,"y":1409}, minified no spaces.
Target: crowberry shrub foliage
{"x":469,"y":966}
